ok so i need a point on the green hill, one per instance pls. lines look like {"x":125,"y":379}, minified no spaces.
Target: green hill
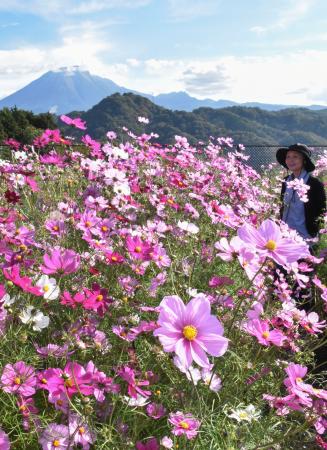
{"x":245,"y":125}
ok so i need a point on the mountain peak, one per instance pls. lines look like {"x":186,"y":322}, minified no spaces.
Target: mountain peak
{"x":69,"y":70}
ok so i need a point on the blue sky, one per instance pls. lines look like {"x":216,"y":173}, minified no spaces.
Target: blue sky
{"x":243,"y":50}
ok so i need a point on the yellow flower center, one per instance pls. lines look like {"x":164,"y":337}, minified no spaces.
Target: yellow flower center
{"x":271,"y":245}
{"x":56,"y":443}
{"x":184,"y":425}
{"x":81,"y":430}
{"x":104,"y":228}
{"x":170,"y":201}
{"x":46,"y":287}
{"x":298,"y":380}
{"x":55,"y":228}
{"x":138,"y":249}
{"x":88,"y":224}
{"x":99,"y":298}
{"x":190,"y":332}
{"x":69,"y":382}
{"x":114,"y":258}
{"x":265,"y":334}
{"x":17,"y":380}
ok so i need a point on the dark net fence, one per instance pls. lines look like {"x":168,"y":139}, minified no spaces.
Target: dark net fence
{"x":259,"y":155}
{"x":263,"y":155}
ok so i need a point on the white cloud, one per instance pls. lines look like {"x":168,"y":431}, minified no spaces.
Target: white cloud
{"x":292,"y":78}
{"x":206,"y":82}
{"x":84,"y":46}
{"x":294,"y":11}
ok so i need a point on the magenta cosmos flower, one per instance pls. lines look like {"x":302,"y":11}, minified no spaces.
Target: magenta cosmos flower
{"x":269,"y":242}
{"x":61,"y":261}
{"x":184,"y":424}
{"x":190,"y":330}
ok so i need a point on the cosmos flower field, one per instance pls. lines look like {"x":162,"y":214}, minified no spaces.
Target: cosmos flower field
{"x":151,"y":299}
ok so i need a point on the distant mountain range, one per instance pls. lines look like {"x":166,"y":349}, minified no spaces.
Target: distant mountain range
{"x":73,"y":89}
{"x":245,"y":125}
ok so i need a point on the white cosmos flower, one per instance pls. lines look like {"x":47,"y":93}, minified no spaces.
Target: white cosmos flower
{"x":211,"y":380}
{"x":138,"y":401}
{"x":120,"y":153}
{"x":113,"y":175}
{"x":247,"y":414}
{"x":7,"y":300}
{"x":49,"y":287}
{"x":188,"y":226}
{"x":122,"y":188}
{"x":35,"y":317}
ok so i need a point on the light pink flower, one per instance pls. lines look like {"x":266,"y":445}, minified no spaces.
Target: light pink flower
{"x":268,"y":241}
{"x":61,"y":261}
{"x":77,"y":123}
{"x":190,"y":330}
{"x":261,"y":330}
{"x":4,"y":441}
{"x":55,"y":437}
{"x":184,"y":424}
{"x":19,"y":379}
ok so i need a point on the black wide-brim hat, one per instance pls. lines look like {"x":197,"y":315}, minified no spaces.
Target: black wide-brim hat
{"x":300,"y":148}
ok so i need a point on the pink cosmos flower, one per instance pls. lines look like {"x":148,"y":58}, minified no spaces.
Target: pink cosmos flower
{"x":96,"y":299}
{"x":220,"y":281}
{"x":55,"y":437}
{"x":80,"y":431}
{"x":283,"y":404}
{"x":4,"y":441}
{"x":155,"y":410}
{"x":71,"y":380}
{"x":184,"y":424}
{"x":25,"y":283}
{"x":27,"y":408}
{"x":128,"y":374}
{"x":61,"y":260}
{"x":19,"y":379}
{"x":72,"y":301}
{"x":77,"y":123}
{"x":101,"y":383}
{"x":56,"y":227}
{"x":295,"y":384}
{"x":53,"y":158}
{"x":261,"y":330}
{"x":138,"y":249}
{"x":190,"y":330}
{"x":151,"y":444}
{"x":54,"y":350}
{"x":269,"y":242}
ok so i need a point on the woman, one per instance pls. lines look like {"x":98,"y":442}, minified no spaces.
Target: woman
{"x":301,"y":216}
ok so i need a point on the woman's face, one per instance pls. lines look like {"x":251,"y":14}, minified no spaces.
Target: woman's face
{"x":294,"y":161}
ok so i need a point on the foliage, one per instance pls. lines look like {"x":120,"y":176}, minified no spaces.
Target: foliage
{"x":22,"y":125}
